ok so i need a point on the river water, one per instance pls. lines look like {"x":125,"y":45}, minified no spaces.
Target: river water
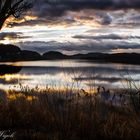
{"x":74,"y":74}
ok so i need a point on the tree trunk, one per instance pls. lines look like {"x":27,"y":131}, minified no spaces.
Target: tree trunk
{"x":2,"y":20}
{"x":1,"y":26}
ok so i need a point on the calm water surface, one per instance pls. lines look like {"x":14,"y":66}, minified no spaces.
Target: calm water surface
{"x":69,"y":73}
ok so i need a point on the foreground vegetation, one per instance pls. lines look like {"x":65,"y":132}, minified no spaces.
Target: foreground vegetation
{"x":60,"y":115}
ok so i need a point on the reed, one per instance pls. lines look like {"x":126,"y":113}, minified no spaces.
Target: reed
{"x":66,"y":114}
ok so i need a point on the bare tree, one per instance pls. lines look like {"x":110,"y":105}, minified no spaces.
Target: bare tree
{"x":13,"y":8}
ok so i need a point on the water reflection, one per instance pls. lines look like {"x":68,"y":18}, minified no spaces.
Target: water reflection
{"x":9,"y":69}
{"x":69,"y":73}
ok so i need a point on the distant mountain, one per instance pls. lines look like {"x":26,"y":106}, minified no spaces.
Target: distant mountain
{"x":9,"y":52}
{"x":9,"y":49}
{"x":14,"y":53}
{"x":54,"y":55}
{"x":128,"y":58}
{"x":29,"y":55}
{"x":89,"y":56}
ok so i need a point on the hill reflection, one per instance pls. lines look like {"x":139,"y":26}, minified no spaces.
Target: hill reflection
{"x":9,"y":69}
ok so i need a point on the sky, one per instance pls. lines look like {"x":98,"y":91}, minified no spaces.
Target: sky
{"x":77,"y":26}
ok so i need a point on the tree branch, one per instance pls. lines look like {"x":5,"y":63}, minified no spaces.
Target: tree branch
{"x":13,"y":8}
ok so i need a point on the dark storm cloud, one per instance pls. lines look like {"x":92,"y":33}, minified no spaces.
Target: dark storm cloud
{"x":106,"y":37}
{"x":43,"y":21}
{"x":28,"y":23}
{"x":103,"y":18}
{"x":53,"y":12}
{"x":12,"y":35}
{"x":59,"y":7}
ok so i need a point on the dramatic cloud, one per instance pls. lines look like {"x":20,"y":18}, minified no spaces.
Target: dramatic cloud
{"x":106,"y":37}
{"x":12,"y":35}
{"x":79,"y":25}
{"x":93,"y":12}
{"x":59,"y":7}
{"x":83,"y":47}
{"x":54,"y":9}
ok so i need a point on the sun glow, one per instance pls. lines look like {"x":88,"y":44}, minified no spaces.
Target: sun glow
{"x":10,"y":77}
{"x":11,"y":20}
{"x":5,"y":41}
{"x":9,"y":40}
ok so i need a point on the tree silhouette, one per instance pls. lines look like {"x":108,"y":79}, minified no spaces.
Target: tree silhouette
{"x":13,"y":8}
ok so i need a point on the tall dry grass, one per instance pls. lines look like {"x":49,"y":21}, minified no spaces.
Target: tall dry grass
{"x":66,"y":114}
